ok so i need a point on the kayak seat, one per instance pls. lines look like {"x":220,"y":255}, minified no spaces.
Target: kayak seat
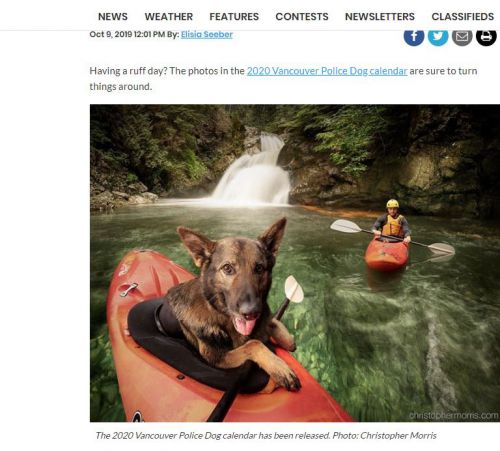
{"x":171,"y":347}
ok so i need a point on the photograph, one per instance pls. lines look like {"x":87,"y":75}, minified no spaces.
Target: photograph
{"x":294,"y":263}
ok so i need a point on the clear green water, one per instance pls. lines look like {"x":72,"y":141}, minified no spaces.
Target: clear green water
{"x":424,"y":340}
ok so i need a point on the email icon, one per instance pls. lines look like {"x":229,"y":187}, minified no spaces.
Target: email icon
{"x":462,"y":37}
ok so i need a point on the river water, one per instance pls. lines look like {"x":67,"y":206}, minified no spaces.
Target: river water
{"x":386,"y":347}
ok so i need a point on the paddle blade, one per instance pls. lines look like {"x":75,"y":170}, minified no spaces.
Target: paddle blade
{"x":342,"y":225}
{"x":293,"y":290}
{"x":442,"y":248}
{"x":441,"y":258}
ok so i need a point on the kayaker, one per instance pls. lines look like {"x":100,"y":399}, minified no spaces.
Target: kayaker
{"x":392,"y":223}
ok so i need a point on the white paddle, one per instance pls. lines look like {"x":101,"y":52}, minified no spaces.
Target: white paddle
{"x":293,"y":293}
{"x":342,"y":225}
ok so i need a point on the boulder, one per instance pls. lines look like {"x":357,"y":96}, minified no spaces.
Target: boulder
{"x":137,"y":188}
{"x":151,"y":197}
{"x":251,"y":143}
{"x":120,"y":195}
{"x":144,"y":198}
{"x":102,"y":201}
{"x":96,"y":188}
{"x":137,"y":199}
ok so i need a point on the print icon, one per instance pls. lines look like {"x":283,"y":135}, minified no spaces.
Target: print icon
{"x":486,"y":38}
{"x":438,"y":37}
{"x":462,"y":38}
{"x":414,"y":37}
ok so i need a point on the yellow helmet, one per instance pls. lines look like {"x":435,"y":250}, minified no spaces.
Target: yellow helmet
{"x":392,"y":203}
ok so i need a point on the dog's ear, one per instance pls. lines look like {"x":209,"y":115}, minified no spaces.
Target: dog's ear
{"x":271,"y":238}
{"x":199,"y":246}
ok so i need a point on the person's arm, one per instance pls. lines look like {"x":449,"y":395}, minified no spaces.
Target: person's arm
{"x":378,"y":224}
{"x":406,"y":230}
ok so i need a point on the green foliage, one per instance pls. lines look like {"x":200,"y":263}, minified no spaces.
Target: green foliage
{"x":306,"y":120}
{"x":132,"y":178}
{"x":195,"y":169}
{"x":348,"y":133}
{"x":105,"y":400}
{"x":158,"y":145}
{"x":169,"y":146}
{"x":260,"y":116}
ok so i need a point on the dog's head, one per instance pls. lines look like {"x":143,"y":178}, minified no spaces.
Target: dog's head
{"x":236,"y":272}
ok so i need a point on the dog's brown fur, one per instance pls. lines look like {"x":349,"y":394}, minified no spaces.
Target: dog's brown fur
{"x":233,"y":284}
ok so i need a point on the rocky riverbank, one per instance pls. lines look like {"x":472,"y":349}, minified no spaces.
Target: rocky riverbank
{"x":113,"y":187}
{"x":447,"y":165}
{"x":437,"y":160}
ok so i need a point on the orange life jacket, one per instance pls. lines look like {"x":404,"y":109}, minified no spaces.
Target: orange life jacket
{"x":393,"y":226}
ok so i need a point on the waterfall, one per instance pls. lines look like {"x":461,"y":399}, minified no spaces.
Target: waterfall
{"x":255,"y":179}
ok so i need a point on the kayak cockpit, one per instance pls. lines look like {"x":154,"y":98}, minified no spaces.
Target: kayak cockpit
{"x":172,"y":348}
{"x":388,"y":239}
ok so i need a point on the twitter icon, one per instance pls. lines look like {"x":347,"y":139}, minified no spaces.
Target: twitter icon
{"x":437,"y":37}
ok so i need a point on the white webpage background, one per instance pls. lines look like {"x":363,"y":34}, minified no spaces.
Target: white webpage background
{"x":46,"y":55}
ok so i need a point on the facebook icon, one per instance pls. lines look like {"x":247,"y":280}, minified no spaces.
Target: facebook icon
{"x":414,"y":37}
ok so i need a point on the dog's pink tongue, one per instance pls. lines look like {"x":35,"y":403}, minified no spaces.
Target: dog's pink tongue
{"x":243,"y":326}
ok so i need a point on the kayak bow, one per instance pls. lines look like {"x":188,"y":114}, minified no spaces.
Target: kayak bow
{"x":386,"y":256}
{"x":152,"y":390}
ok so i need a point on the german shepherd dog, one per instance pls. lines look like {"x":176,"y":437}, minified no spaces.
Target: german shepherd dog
{"x":224,"y":312}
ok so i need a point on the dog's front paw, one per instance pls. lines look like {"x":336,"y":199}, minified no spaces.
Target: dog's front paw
{"x":284,"y":376}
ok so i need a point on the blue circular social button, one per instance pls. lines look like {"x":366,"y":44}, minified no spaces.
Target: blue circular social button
{"x":414,"y":37}
{"x":437,"y":37}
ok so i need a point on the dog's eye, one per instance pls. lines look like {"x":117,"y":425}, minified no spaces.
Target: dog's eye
{"x":228,"y":269}
{"x":259,"y":269}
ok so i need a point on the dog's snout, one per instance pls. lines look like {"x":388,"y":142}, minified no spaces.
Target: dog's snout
{"x":249,"y":306}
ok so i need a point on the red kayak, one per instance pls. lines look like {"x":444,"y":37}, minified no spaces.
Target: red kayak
{"x":386,"y":256}
{"x":154,"y":390}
